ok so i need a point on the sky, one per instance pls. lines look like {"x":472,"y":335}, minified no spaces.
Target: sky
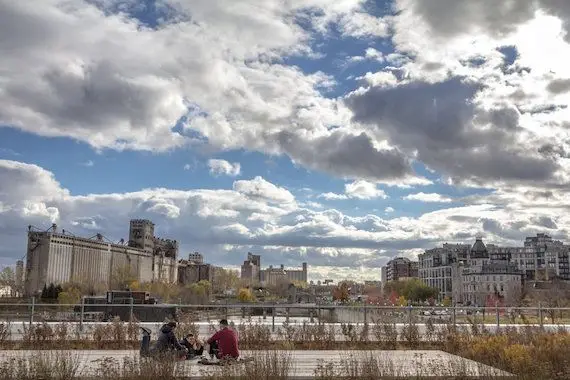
{"x":342,"y":133}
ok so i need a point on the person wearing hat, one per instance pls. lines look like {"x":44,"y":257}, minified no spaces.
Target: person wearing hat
{"x":226,"y":341}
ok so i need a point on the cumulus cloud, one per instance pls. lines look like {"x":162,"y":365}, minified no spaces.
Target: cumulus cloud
{"x":361,"y":189}
{"x":213,"y":70}
{"x":223,"y":167}
{"x":428,"y":197}
{"x":475,"y":92}
{"x":264,"y":217}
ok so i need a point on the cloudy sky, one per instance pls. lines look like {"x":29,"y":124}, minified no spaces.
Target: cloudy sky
{"x":337,"y":132}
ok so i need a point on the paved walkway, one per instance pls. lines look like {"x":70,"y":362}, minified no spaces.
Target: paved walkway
{"x":395,"y":363}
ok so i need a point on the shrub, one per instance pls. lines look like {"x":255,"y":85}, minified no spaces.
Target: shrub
{"x":41,"y":365}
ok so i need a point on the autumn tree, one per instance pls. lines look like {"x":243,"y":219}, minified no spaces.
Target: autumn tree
{"x":341,"y":293}
{"x":71,"y":294}
{"x":197,"y":293}
{"x":413,"y":289}
{"x":163,"y":291}
{"x":245,"y":295}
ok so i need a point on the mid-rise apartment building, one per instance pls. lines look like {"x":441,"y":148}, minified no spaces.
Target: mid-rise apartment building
{"x":469,"y":274}
{"x":400,"y":268}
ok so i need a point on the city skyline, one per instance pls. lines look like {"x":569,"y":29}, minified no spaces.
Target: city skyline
{"x":342,"y":134}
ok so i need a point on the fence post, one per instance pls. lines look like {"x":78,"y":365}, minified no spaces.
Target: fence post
{"x":287,"y":315}
{"x":273,"y":319}
{"x":454,"y":315}
{"x":365,"y":314}
{"x":131,"y":302}
{"x":410,"y":314}
{"x":540,"y":319}
{"x":498,"y":315}
{"x":32,"y":310}
{"x":82,"y":314}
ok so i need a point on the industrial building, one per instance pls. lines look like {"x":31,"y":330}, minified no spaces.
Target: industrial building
{"x":60,"y":257}
{"x":251,"y":272}
{"x":194,"y":270}
{"x":273,"y":276}
{"x":251,"y":269}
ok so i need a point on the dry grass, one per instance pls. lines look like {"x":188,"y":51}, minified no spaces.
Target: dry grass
{"x":370,"y":366}
{"x":41,"y":365}
{"x":530,"y":352}
{"x":267,"y":365}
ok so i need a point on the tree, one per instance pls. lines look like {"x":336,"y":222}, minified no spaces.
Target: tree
{"x":224,"y":279}
{"x":122,"y":277}
{"x":413,"y":289}
{"x":300,"y":284}
{"x":245,"y":295}
{"x":341,"y":293}
{"x":197,"y":293}
{"x":8,"y":279}
{"x":70,"y":295}
{"x":557,"y":296}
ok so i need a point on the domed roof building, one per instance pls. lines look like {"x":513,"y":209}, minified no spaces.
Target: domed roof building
{"x":479,"y":250}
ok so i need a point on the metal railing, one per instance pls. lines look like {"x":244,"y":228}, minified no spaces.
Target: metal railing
{"x":284,"y":313}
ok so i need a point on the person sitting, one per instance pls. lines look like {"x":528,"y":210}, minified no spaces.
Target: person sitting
{"x":193,"y":345}
{"x":224,"y":343}
{"x":167,"y":341}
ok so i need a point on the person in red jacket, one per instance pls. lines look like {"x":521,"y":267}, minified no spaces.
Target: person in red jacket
{"x":226,"y":341}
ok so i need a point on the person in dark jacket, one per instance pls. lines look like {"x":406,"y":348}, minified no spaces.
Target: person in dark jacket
{"x":167,"y":339}
{"x":193,"y":345}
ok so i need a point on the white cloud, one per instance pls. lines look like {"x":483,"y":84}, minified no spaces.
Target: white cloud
{"x":428,"y":197}
{"x":260,"y":188}
{"x":364,"y":190}
{"x":357,"y":190}
{"x":88,"y":163}
{"x":223,"y":167}
{"x":212,"y":69}
{"x":265,"y":218}
{"x":388,"y":210}
{"x":212,"y":76}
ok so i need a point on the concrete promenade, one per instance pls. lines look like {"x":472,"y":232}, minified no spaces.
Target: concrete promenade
{"x":394,"y":363}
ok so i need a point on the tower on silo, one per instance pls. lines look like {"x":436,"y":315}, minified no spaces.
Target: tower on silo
{"x":305,"y":272}
{"x":141,"y":234}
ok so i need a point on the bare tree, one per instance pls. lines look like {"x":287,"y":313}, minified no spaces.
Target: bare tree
{"x":557,"y":295}
{"x":224,"y":279}
{"x":122,"y":277}
{"x":8,"y":279}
